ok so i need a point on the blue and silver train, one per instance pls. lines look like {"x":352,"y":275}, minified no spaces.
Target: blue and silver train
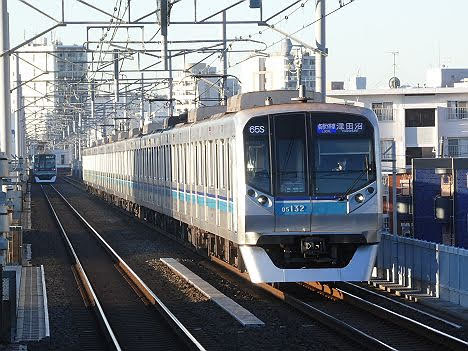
{"x":288,"y":191}
{"x":44,"y":168}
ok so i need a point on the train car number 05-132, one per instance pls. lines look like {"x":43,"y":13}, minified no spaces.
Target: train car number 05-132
{"x":293,"y":208}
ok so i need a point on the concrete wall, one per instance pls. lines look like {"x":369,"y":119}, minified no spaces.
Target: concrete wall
{"x":438,"y":270}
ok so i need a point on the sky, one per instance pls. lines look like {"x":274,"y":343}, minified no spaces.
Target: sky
{"x":360,"y":36}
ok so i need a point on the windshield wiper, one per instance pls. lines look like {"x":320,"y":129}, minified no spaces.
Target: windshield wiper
{"x":364,"y":171}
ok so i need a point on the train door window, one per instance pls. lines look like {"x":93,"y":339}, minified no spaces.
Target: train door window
{"x":203,"y":151}
{"x":291,"y":162}
{"x":228,"y":163}
{"x":222,"y":166}
{"x":209,"y":161}
{"x":153,"y":162}
{"x":199,"y":164}
{"x":165,"y":163}
{"x":175,"y":157}
{"x":216,"y":164}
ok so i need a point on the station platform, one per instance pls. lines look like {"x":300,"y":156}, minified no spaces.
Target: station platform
{"x":32,"y":317}
{"x":32,"y":314}
{"x":242,"y":315}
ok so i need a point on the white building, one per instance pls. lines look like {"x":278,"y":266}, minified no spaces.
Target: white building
{"x":192,"y":90}
{"x":445,"y":77}
{"x":418,"y":119}
{"x":53,"y":73}
{"x":278,"y":70}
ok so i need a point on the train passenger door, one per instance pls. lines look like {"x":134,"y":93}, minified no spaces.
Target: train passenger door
{"x":292,"y":202}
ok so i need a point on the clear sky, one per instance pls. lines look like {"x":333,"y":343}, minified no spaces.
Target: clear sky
{"x":359,"y":36}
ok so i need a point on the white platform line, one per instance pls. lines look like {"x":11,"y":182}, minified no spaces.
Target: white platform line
{"x":242,"y":315}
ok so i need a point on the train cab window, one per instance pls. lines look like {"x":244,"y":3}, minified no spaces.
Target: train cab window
{"x":257,"y":154}
{"x":344,"y":155}
{"x":291,"y":161}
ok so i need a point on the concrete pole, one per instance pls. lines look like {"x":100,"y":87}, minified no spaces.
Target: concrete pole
{"x":142,"y":105}
{"x":18,"y":124}
{"x":5,"y":113}
{"x":116,"y":87}
{"x":394,"y":194}
{"x":171,"y":92}
{"x":320,"y":64}
{"x":225,"y":63}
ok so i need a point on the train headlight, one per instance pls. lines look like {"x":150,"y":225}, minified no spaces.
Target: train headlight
{"x":359,"y":198}
{"x":251,"y":192}
{"x":262,"y":199}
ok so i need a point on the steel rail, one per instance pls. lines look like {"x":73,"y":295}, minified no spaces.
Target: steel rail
{"x":454,"y":325}
{"x":365,"y":340}
{"x":422,"y":329}
{"x":180,"y":329}
{"x":98,"y":310}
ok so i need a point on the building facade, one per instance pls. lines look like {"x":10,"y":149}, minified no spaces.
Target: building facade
{"x":423,"y":122}
{"x":192,"y":89}
{"x":53,"y":83}
{"x":278,"y":71}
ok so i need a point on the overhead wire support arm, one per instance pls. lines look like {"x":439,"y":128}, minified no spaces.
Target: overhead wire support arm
{"x":102,"y":11}
{"x":40,"y":11}
{"x":221,"y":11}
{"x":8,"y":52}
{"x":307,"y":46}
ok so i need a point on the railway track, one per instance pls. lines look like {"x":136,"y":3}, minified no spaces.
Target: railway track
{"x":367,"y":323}
{"x":130,"y":315}
{"x":365,"y":317}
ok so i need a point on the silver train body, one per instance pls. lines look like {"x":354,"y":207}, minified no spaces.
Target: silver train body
{"x":289,"y":192}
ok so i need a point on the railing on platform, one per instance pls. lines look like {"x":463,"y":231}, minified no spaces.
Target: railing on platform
{"x":435,"y":269}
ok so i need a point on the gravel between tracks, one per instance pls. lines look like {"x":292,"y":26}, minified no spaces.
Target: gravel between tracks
{"x":72,"y":325}
{"x":141,"y":247}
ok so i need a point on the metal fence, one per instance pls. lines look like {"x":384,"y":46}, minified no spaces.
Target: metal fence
{"x":437,"y":270}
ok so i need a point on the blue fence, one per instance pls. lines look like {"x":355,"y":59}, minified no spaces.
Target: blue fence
{"x":435,"y":269}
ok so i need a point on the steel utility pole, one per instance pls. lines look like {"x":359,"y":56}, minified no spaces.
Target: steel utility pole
{"x":116,"y":87}
{"x":320,"y":64}
{"x":142,"y":104}
{"x":19,"y":132}
{"x":394,"y":192}
{"x":5,"y":121}
{"x":225,"y":63}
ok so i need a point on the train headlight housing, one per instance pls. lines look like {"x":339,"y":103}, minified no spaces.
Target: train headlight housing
{"x":359,"y":198}
{"x":262,"y":199}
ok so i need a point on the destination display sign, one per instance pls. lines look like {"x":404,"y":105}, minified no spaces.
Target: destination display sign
{"x":340,"y":128}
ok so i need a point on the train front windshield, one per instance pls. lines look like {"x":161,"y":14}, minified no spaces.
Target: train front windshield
{"x":313,"y":154}
{"x":44,"y":162}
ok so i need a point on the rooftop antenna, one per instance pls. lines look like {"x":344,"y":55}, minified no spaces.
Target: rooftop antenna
{"x":394,"y":81}
{"x":394,"y":53}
